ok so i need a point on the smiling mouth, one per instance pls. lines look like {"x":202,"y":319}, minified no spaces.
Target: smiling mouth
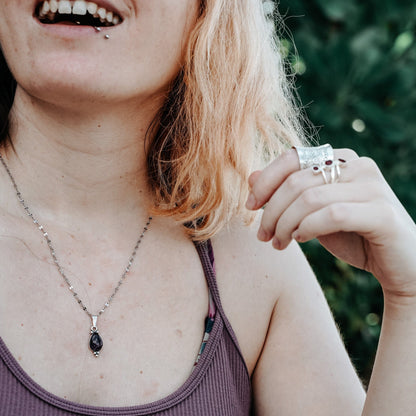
{"x":79,"y":12}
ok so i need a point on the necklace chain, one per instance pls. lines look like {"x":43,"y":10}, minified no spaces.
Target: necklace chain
{"x":61,"y":271}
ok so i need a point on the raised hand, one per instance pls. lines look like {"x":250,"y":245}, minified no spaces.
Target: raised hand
{"x":358,"y":218}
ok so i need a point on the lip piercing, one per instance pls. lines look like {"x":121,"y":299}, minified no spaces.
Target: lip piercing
{"x":98,"y":30}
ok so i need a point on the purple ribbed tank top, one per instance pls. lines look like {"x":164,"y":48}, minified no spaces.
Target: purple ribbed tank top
{"x":218,"y":386}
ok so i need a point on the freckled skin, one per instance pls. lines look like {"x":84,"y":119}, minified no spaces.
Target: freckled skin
{"x":59,"y":78}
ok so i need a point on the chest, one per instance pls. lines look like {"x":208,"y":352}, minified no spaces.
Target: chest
{"x":151,"y":332}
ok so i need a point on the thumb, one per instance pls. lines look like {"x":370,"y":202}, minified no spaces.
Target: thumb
{"x":252,"y":179}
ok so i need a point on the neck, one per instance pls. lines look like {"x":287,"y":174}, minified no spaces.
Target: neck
{"x":85,"y":164}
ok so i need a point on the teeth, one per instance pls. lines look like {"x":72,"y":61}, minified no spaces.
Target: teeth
{"x":102,"y":13}
{"x":49,"y":8}
{"x":45,"y":8}
{"x":79,"y":8}
{"x":92,"y":8}
{"x":65,"y":7}
{"x":53,"y":5}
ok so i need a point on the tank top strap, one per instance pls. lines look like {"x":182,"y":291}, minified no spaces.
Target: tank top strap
{"x":206,"y":255}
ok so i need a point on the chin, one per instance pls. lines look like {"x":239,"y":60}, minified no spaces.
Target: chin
{"x":89,"y":93}
{"x":76,"y":81}
{"x":68,"y":85}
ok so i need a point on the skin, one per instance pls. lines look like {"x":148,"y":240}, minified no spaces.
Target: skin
{"x":124,"y":68}
{"x":302,"y":207}
{"x":79,"y":121}
{"x":361,"y":221}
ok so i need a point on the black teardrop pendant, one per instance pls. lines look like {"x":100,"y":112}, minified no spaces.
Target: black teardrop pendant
{"x":96,"y":342}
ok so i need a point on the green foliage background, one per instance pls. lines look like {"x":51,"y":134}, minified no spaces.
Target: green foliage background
{"x":356,"y":76}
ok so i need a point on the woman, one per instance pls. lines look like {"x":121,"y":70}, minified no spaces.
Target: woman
{"x":127,"y":108}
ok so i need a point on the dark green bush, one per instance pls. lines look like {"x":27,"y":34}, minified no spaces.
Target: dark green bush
{"x":356,"y":77}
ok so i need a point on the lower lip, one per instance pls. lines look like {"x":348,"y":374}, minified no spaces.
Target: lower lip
{"x":71,"y":31}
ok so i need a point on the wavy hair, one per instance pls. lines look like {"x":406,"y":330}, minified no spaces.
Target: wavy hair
{"x":230,"y":108}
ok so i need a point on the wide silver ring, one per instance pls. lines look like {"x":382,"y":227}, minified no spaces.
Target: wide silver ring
{"x":312,"y":156}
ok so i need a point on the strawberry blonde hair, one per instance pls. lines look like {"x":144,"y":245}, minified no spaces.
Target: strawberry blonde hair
{"x":230,"y":108}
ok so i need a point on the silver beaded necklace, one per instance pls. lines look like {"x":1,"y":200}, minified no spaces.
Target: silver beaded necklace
{"x":96,"y":342}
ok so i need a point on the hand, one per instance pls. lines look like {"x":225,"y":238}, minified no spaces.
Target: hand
{"x":358,"y":219}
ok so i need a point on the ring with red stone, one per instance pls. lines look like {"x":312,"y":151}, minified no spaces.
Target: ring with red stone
{"x":320,"y":169}
{"x":330,"y":170}
{"x":336,"y":169}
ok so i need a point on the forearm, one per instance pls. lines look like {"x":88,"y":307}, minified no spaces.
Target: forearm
{"x":393,"y":382}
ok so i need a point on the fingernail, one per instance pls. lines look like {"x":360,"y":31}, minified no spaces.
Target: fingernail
{"x":262,"y":235}
{"x":251,"y":202}
{"x":276,"y":243}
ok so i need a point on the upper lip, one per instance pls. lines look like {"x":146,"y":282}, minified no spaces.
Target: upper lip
{"x":100,"y":3}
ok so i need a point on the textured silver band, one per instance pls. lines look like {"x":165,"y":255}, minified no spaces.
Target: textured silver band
{"x":310,"y":156}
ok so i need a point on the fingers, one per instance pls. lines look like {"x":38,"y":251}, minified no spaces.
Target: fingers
{"x":292,"y":195}
{"x":313,"y":200}
{"x":301,"y":183}
{"x":337,"y":217}
{"x":264,"y":184}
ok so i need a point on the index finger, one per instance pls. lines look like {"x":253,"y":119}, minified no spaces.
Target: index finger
{"x":265,"y":184}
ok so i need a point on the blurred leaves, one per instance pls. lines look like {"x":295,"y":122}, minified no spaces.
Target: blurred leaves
{"x":356,"y":73}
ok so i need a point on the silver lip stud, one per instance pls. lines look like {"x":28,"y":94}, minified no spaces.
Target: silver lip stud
{"x":97,"y":29}
{"x":107,"y":37}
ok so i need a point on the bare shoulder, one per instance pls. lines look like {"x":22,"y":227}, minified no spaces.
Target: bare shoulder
{"x":284,"y":327}
{"x":252,"y":276}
